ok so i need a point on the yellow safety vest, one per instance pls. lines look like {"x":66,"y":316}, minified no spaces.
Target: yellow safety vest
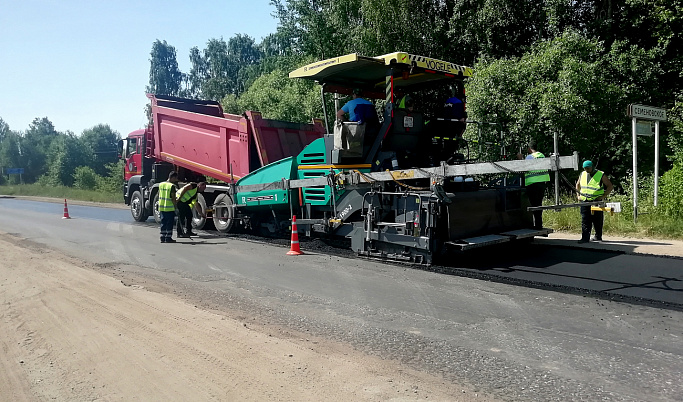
{"x":189,"y":195}
{"x":536,"y":176}
{"x":165,"y":202}
{"x":591,"y":189}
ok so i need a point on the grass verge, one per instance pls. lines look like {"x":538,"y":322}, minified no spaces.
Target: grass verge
{"x":652,"y":222}
{"x":37,"y":190}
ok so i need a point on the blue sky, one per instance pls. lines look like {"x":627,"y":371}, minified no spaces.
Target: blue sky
{"x":82,"y":63}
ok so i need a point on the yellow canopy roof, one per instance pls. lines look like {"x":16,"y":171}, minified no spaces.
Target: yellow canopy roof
{"x":355,"y":70}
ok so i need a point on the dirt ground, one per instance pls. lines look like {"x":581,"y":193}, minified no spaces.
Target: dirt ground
{"x":71,"y":333}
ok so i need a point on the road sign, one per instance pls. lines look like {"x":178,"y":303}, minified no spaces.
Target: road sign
{"x":647,"y":112}
{"x":644,"y":128}
{"x":14,"y":171}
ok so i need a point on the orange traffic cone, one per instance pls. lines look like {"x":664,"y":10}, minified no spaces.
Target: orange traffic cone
{"x":294,"y":249}
{"x":66,"y":211}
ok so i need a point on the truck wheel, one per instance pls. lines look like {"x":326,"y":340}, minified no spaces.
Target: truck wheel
{"x":155,"y":208}
{"x":223,"y":213}
{"x":137,"y":207}
{"x":198,"y":222}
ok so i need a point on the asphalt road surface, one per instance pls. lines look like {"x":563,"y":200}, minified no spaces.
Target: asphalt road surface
{"x":513,"y":342}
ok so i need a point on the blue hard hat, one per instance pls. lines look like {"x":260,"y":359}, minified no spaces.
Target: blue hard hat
{"x":587,"y":164}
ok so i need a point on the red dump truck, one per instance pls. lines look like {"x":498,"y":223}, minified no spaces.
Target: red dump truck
{"x":198,"y":140}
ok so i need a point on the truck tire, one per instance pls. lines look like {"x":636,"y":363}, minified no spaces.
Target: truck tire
{"x":198,"y":222}
{"x":155,"y":209}
{"x":223,"y":214}
{"x":137,"y":207}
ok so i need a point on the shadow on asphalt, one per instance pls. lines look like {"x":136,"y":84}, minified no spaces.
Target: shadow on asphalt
{"x":199,"y":242}
{"x":601,"y":272}
{"x":510,"y":256}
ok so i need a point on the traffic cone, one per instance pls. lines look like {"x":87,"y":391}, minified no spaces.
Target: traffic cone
{"x":294,"y":249}
{"x":66,"y":211}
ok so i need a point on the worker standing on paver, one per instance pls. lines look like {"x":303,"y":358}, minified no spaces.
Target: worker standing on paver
{"x":593,"y":185}
{"x":535,"y":182}
{"x":167,"y":206}
{"x":187,"y":199}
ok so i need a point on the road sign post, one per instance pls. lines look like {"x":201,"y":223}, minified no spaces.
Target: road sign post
{"x":648,"y":113}
{"x":634,"y":128}
{"x":19,"y":171}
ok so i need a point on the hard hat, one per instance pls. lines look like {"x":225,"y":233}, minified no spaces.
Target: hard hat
{"x":587,"y":164}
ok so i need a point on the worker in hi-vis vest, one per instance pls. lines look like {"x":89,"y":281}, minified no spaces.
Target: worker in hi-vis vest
{"x":167,"y":206}
{"x":593,"y":185}
{"x":535,"y":182}
{"x":187,"y":199}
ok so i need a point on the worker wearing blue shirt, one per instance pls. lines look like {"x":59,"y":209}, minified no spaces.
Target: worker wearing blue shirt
{"x":350,"y":106}
{"x":454,"y":108}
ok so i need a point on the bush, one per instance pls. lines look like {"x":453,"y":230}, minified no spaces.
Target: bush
{"x":46,"y":181}
{"x":671,"y":192}
{"x":85,"y":178}
{"x":113,"y":182}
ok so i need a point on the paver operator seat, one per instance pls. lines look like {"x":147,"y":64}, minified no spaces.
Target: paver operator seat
{"x":351,"y":138}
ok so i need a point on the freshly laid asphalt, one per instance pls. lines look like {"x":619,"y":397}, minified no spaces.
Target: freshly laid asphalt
{"x":624,"y":276}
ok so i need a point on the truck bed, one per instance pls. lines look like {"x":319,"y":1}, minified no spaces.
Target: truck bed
{"x":198,"y":136}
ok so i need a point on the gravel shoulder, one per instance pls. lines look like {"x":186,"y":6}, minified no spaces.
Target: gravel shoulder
{"x":72,"y":333}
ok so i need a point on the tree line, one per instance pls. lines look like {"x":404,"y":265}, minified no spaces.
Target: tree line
{"x":87,"y":161}
{"x":540,"y":67}
{"x":569,"y":67}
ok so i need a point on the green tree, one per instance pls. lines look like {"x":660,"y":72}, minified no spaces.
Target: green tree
{"x":85,"y":178}
{"x":4,"y":129}
{"x":218,"y":81}
{"x":34,"y":146}
{"x":572,"y":85}
{"x":198,"y":74}
{"x":277,"y":96}
{"x":10,"y":152}
{"x":309,"y":25}
{"x":496,"y":28}
{"x":649,"y":24}
{"x":113,"y":181}
{"x":164,"y":76}
{"x":243,"y":53}
{"x":64,"y":157}
{"x":385,"y":26}
{"x":223,"y":68}
{"x":41,"y":132}
{"x":100,"y":144}
{"x":675,"y":138}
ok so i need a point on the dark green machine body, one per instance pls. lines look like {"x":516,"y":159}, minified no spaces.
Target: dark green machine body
{"x":383,"y":219}
{"x":412,"y":218}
